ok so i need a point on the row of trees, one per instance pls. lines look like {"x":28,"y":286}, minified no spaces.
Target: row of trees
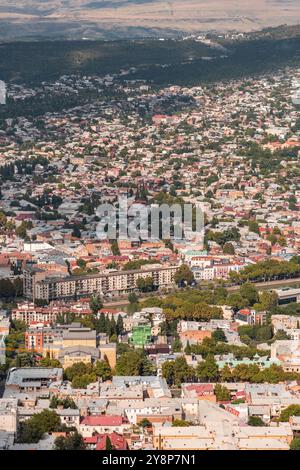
{"x":270,"y":270}
{"x":212,"y":346}
{"x":191,"y":311}
{"x":192,"y":304}
{"x":15,"y":344}
{"x":248,"y":296}
{"x":178,"y":371}
{"x":104,"y":324}
{"x":25,"y":166}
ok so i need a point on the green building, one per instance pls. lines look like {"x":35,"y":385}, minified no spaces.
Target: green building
{"x":141,"y":335}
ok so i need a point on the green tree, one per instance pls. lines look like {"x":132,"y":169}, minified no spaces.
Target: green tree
{"x":103,"y":370}
{"x":108,"y":444}
{"x":35,"y":427}
{"x":184,"y":275}
{"x":249,"y":292}
{"x":129,"y":363}
{"x":228,"y":249}
{"x":168,"y":372}
{"x":219,"y":335}
{"x":83,"y":381}
{"x":225,"y":374}
{"x":145,"y":423}
{"x":253,"y":227}
{"x":96,"y":304}
{"x":133,"y":298}
{"x":145,"y":284}
{"x":102,"y":323}
{"x":182,"y":372}
{"x":236,"y":300}
{"x":180,"y":423}
{"x":73,"y":441}
{"x":47,"y":362}
{"x":267,"y":300}
{"x":188,"y":349}
{"x":76,"y":233}
{"x":255,"y":421}
{"x":208,"y":371}
{"x":292,"y":410}
{"x":222,"y":393}
{"x":177,"y":345}
{"x":295,"y":444}
{"x":77,"y":369}
{"x":120,"y":325}
{"x":81,"y":263}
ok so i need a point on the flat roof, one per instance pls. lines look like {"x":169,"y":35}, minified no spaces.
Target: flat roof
{"x":24,"y":375}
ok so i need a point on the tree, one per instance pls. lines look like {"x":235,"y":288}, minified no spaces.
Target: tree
{"x":7,"y":289}
{"x":102,"y":323}
{"x":178,"y":371}
{"x":34,"y":428}
{"x":67,"y":403}
{"x":132,"y":298}
{"x":47,"y":420}
{"x":220,"y":295}
{"x":208,"y":371}
{"x":281,"y":335}
{"x":47,"y":362}
{"x":295,"y":444}
{"x":180,"y":423}
{"x":145,"y":423}
{"x":29,"y":433}
{"x":120,"y":325}
{"x":225,"y":374}
{"x":182,"y":372}
{"x":188,"y":349}
{"x":21,"y":231}
{"x":145,"y":284}
{"x":54,"y":402}
{"x":255,"y":333}
{"x":255,"y":421}
{"x":219,"y":335}
{"x":73,"y":441}
{"x":129,"y":363}
{"x":236,"y":300}
{"x":267,"y":300}
{"x":292,"y":410}
{"x":228,"y":249}
{"x":222,"y":393}
{"x":77,"y":369}
{"x":103,"y":370}
{"x":96,"y":304}
{"x":184,"y":276}
{"x":108,"y":444}
{"x":177,"y":345}
{"x":81,"y":263}
{"x":253,"y":227}
{"x":249,"y":292}
{"x":18,"y":287}
{"x":83,"y":381}
{"x":168,"y":372}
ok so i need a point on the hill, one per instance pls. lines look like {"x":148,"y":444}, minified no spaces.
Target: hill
{"x":112,"y":19}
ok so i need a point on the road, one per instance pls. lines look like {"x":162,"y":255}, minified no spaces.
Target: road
{"x":271,"y":284}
